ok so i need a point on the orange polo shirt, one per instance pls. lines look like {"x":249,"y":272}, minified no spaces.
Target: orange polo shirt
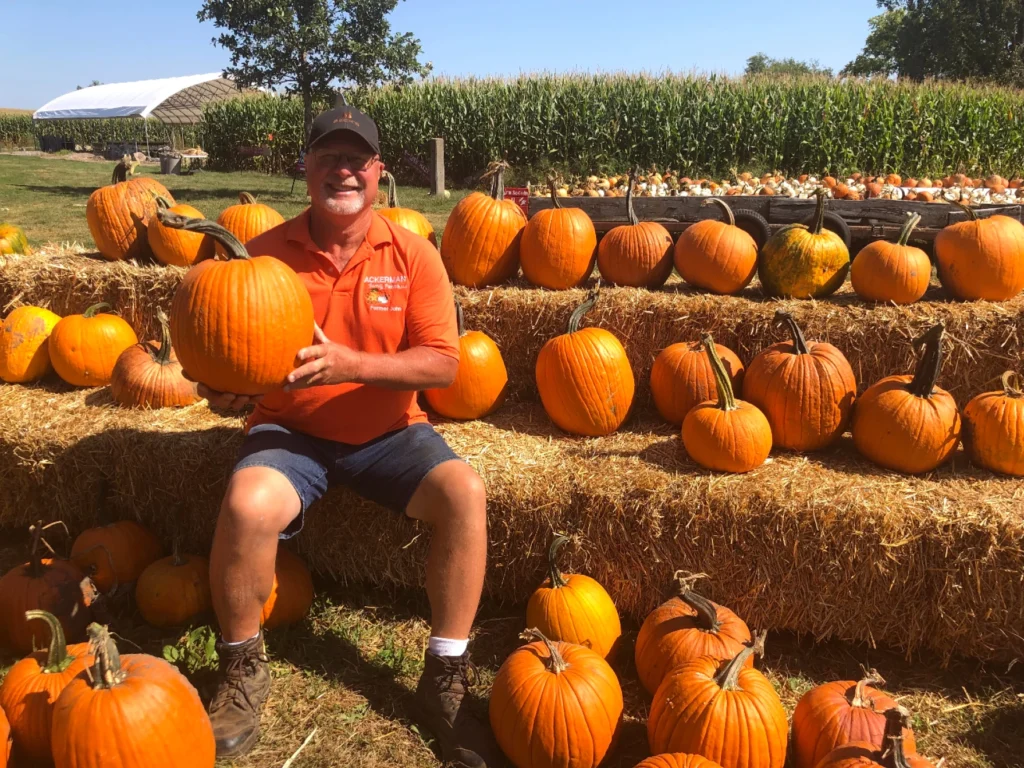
{"x":394,"y":294}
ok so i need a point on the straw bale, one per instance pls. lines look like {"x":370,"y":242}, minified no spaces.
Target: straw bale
{"x":825,"y":545}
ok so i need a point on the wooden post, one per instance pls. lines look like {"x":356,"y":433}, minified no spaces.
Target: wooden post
{"x":437,"y":167}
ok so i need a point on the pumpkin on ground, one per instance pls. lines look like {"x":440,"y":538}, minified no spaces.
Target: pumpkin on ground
{"x":894,"y":753}
{"x":114,"y":555}
{"x":13,"y":241}
{"x":584,"y":378}
{"x":84,"y":348}
{"x":981,"y":258}
{"x":802,"y":263}
{"x":412,"y":220}
{"x":481,"y":382}
{"x":245,"y":220}
{"x":683,"y":629}
{"x":716,"y":256}
{"x":259,"y":298}
{"x":24,"y":344}
{"x":994,"y":427}
{"x":292,"y":592}
{"x":638,"y":254}
{"x":896,"y":272}
{"x":555,"y":705}
{"x":175,"y":247}
{"x":682,"y":377}
{"x":118,"y":216}
{"x":908,"y":423}
{"x":131,"y":711}
{"x":174,"y":589}
{"x":574,"y":609}
{"x":677,"y":760}
{"x":148,"y":375}
{"x":725,"y":711}
{"x":727,"y":435}
{"x":558,"y":247}
{"x":805,"y":388}
{"x":481,"y":240}
{"x":33,"y":685}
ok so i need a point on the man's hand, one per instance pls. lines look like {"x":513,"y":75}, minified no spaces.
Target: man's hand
{"x":324,"y":363}
{"x":224,"y":400}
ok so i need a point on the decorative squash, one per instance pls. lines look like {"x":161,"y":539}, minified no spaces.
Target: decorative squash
{"x":246,"y":220}
{"x":481,"y":382}
{"x":262,"y":301}
{"x":84,"y":348}
{"x":994,"y":427}
{"x":546,"y":683}
{"x":481,"y":240}
{"x":729,"y":435}
{"x":981,"y":258}
{"x":24,"y":344}
{"x":724,"y":711}
{"x":908,"y":423}
{"x":806,"y":389}
{"x":638,"y":254}
{"x":118,"y":216}
{"x":682,"y":377}
{"x":137,"y":710}
{"x":716,"y":256}
{"x":584,"y":378}
{"x":176,"y":247}
{"x":292,"y":593}
{"x":13,"y":241}
{"x":685,"y":628}
{"x":894,"y":754}
{"x":576,"y":609}
{"x":677,"y":760}
{"x":174,"y":589}
{"x":148,"y":375}
{"x":835,"y":714}
{"x":412,"y":220}
{"x":802,"y":263}
{"x":114,"y":555}
{"x":895,"y":272}
{"x":558,"y":246}
{"x":33,"y":685}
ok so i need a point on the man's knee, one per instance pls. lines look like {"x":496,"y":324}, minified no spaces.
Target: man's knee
{"x":260,"y":500}
{"x":451,"y":490}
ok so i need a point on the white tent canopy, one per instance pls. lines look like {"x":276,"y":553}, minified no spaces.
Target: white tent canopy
{"x":172,"y":100}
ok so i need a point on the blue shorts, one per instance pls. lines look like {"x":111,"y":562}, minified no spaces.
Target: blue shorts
{"x":387,"y":470}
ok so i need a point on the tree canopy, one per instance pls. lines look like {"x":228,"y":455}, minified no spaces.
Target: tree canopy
{"x":762,"y":64}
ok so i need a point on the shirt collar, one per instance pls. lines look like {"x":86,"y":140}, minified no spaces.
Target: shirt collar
{"x":377,"y":236}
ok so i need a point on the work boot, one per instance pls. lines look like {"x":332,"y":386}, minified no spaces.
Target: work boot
{"x":441,"y":703}
{"x":243,"y":687}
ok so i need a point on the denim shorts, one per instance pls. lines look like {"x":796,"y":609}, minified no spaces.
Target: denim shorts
{"x":386,"y":470}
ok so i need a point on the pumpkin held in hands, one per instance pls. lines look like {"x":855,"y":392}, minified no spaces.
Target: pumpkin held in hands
{"x":245,"y":220}
{"x":84,"y":348}
{"x":638,"y":254}
{"x":682,"y":377}
{"x":24,"y":344}
{"x":994,"y":427}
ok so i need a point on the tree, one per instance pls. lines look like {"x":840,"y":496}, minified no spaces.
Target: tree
{"x":90,"y":85}
{"x":313,"y":46}
{"x":762,"y":64}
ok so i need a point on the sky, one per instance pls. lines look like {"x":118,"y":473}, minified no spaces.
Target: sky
{"x":119,"y":40}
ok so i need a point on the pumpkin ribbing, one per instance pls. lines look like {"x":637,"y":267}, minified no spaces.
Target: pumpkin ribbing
{"x":994,"y":427}
{"x":716,"y":256}
{"x":637,"y":254}
{"x":558,"y":246}
{"x":895,"y":272}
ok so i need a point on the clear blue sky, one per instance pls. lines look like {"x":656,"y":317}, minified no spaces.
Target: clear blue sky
{"x":62,"y":44}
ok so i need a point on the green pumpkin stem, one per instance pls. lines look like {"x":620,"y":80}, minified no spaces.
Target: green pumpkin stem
{"x":35,"y":556}
{"x":728,"y":677}
{"x":392,"y":190}
{"x":819,"y":212}
{"x":799,"y":342}
{"x":96,"y":309}
{"x":57,"y":658}
{"x":556,"y":663}
{"x":707,"y":613}
{"x":929,"y":363}
{"x":913,"y":219}
{"x":972,"y":215}
{"x":893,"y":753}
{"x":726,"y":397}
{"x":1013,"y":386}
{"x":729,"y":217}
{"x":871,"y":677}
{"x":630,"y":209}
{"x":557,"y":580}
{"x":588,"y":304}
{"x":246,"y":198}
{"x":162,"y":356}
{"x":163,"y":202}
{"x":106,"y":671}
{"x":460,"y":317}
{"x":553,"y":190}
{"x":232,"y":245}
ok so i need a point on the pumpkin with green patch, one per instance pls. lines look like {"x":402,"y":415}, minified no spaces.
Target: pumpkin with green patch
{"x":13,"y":241}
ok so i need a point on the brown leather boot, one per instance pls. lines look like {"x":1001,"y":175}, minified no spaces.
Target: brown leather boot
{"x":243,"y":687}
{"x":441,"y":704}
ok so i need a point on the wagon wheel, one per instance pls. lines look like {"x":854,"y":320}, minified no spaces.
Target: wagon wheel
{"x":755,"y":225}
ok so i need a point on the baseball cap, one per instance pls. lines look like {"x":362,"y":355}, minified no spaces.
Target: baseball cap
{"x":344,"y":119}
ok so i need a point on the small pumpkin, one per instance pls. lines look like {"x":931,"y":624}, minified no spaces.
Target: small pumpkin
{"x":725,"y":711}
{"x":682,"y":377}
{"x":686,"y":627}
{"x":908,"y":423}
{"x":584,"y":378}
{"x":548,"y":682}
{"x":130,"y":711}
{"x":716,"y":256}
{"x":114,"y":555}
{"x":174,"y":589}
{"x":638,"y":254}
{"x":84,"y":348}
{"x":994,"y":427}
{"x":13,"y":241}
{"x":24,"y":344}
{"x":558,"y":246}
{"x":805,"y":389}
{"x":574,"y":609}
{"x":896,"y":272}
{"x":33,"y":685}
{"x":729,"y":435}
{"x":246,"y":220}
{"x":894,"y":753}
{"x":292,"y":592}
{"x":981,"y":258}
{"x":118,"y":216}
{"x":411,"y":219}
{"x":148,"y":375}
{"x":481,"y":382}
{"x":176,"y":247}
{"x":804,"y":263}
{"x":481,"y":240}
{"x":677,"y":760}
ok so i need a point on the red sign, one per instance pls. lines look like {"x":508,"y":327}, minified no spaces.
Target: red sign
{"x":520,"y":196}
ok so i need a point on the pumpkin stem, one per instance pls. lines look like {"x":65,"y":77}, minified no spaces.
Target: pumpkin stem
{"x":726,"y":397}
{"x":972,"y":215}
{"x":95,"y":309}
{"x":630,"y":211}
{"x":496,"y":170}
{"x":392,"y":190}
{"x":35,"y":557}
{"x":819,"y":211}
{"x":107,"y":671}
{"x":871,"y":677}
{"x":893,"y":754}
{"x":556,"y":663}
{"x":707,"y":613}
{"x":176,"y":558}
{"x":929,"y":363}
{"x":246,"y":199}
{"x":57,"y":658}
{"x":913,"y":219}
{"x":1013,"y":386}
{"x":553,"y":189}
{"x":460,"y":317}
{"x":162,"y":202}
{"x":728,"y":676}
{"x":232,"y":244}
{"x":582,"y":309}
{"x":799,"y":342}
{"x":729,"y":217}
{"x":163,"y":356}
{"x":557,"y":580}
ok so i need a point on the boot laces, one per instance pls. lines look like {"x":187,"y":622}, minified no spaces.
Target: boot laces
{"x":232,"y":689}
{"x":456,"y":677}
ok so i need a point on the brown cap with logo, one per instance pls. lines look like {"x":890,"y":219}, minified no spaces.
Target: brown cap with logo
{"x":345,"y":119}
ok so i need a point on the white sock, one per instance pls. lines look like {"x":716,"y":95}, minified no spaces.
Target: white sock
{"x":240,"y":642}
{"x":443,"y":646}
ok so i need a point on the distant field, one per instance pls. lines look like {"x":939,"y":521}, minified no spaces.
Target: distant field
{"x":9,"y":111}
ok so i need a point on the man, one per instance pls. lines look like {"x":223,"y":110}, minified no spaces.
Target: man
{"x":385,"y":329}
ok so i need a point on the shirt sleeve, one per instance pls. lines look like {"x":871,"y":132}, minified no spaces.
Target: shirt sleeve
{"x":430,"y":313}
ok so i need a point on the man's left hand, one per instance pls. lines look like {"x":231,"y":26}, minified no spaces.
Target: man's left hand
{"x":324,"y":363}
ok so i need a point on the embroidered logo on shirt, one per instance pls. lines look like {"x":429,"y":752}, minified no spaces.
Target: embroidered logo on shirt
{"x":376,"y":297}
{"x":381,"y":289}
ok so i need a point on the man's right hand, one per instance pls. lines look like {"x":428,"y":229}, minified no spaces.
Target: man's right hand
{"x":226,"y":399}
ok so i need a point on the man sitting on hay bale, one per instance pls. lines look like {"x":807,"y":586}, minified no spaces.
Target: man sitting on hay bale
{"x":348,"y":414}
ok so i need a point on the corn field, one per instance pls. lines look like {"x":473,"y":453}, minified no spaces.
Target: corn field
{"x":19,"y":131}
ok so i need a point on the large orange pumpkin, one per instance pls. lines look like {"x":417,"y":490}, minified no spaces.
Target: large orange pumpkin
{"x":574,"y":609}
{"x":292,"y":592}
{"x":130,"y":711}
{"x":412,"y":220}
{"x":584,"y":378}
{"x":148,"y":375}
{"x":246,"y":220}
{"x":558,"y":246}
{"x":555,"y":705}
{"x":994,"y":427}
{"x":894,"y":753}
{"x":908,"y":423}
{"x":118,"y":216}
{"x":174,"y":589}
{"x":638,"y":254}
{"x":237,"y":325}
{"x":24,"y":344}
{"x":981,"y":258}
{"x":114,"y":555}
{"x":84,"y":348}
{"x":175,"y":247}
{"x":480,"y":246}
{"x":677,"y":760}
{"x":716,"y":256}
{"x":806,"y":389}
{"x":682,"y":377}
{"x":895,"y":272}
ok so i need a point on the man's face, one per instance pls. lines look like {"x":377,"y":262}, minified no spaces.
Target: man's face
{"x":342,"y":174}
